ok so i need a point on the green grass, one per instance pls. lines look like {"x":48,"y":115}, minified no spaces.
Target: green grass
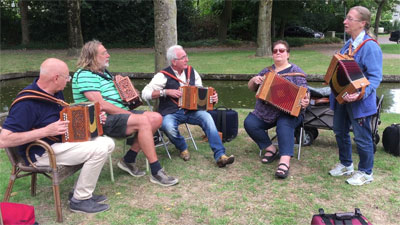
{"x":206,"y":61}
{"x":245,"y":192}
{"x":391,"y":48}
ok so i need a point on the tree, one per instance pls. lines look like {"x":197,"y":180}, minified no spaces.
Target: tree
{"x":264,"y":28}
{"x":381,"y":4}
{"x":224,"y":21}
{"x":165,"y":30}
{"x":75,"y":39}
{"x":23,"y":6}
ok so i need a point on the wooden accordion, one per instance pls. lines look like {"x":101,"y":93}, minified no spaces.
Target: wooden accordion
{"x":196,"y":98}
{"x":127,"y":91}
{"x":281,"y":93}
{"x":84,"y":121}
{"x":344,"y":76}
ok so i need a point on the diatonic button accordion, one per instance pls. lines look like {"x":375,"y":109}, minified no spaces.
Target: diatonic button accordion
{"x":84,"y":121}
{"x":196,"y":98}
{"x":281,"y":93}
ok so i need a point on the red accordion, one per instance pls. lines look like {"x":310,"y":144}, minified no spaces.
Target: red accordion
{"x":344,"y":76}
{"x":127,"y":92}
{"x":196,"y":98}
{"x":84,"y":121}
{"x":281,"y":93}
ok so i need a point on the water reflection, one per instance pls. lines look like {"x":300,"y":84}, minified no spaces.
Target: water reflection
{"x":232,"y":94}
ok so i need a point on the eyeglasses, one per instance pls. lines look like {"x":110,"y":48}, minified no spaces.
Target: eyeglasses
{"x":351,"y":19}
{"x":67,"y":77}
{"x":183,"y":57}
{"x":281,"y":50}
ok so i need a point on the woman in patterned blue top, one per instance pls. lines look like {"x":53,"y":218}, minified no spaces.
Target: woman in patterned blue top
{"x":265,"y":116}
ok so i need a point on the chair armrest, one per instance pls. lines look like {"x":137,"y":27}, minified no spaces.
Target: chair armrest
{"x":47,"y":148}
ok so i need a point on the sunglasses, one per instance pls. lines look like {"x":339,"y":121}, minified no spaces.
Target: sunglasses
{"x":281,"y":50}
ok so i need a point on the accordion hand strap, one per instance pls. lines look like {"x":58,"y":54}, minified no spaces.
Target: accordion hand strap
{"x":38,"y":95}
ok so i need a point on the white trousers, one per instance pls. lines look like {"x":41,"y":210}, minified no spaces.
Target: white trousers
{"x":93,"y":154}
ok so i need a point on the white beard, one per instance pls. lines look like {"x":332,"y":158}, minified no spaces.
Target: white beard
{"x":107,"y":64}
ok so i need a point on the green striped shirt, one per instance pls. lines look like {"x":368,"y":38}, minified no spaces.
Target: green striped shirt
{"x":85,"y":80}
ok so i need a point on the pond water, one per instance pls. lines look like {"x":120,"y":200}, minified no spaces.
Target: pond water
{"x":232,"y":94}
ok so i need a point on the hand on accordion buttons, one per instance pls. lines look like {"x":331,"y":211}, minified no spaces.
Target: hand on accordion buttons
{"x":173,"y":93}
{"x":57,"y":128}
{"x":305,"y":101}
{"x":103,"y":117}
{"x":351,"y":97}
{"x":214,"y":98}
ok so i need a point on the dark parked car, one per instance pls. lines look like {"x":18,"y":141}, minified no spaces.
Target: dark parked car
{"x":395,"y":36}
{"x":298,"y":31}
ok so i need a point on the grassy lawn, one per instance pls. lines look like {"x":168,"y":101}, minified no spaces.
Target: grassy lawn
{"x":243,"y":193}
{"x":206,"y":62}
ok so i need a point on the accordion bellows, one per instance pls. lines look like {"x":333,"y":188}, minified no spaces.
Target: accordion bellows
{"x":196,"y":98}
{"x":281,"y":93}
{"x":84,"y":121}
{"x":344,"y":76}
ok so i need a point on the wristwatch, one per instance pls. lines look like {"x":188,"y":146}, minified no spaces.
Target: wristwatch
{"x":162,"y":93}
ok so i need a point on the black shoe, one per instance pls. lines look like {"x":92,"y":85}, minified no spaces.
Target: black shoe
{"x":87,"y":206}
{"x":96,"y":198}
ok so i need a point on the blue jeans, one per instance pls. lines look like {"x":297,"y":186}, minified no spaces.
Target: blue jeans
{"x":203,"y":119}
{"x":342,"y":119}
{"x":257,"y":129}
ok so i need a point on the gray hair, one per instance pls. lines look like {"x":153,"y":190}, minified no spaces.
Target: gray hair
{"x":171,"y":54}
{"x":365,"y":15}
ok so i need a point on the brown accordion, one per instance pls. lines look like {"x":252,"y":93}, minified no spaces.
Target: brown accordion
{"x":344,"y":76}
{"x":281,"y":93}
{"x":196,"y":98}
{"x":84,"y":121}
{"x":127,"y":92}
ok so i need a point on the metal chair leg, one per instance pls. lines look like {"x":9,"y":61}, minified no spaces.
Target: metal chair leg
{"x":191,"y":136}
{"x":111,"y":168}
{"x":300,"y":142}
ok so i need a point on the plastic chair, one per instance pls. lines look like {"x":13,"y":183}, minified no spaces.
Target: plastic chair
{"x":54,"y":172}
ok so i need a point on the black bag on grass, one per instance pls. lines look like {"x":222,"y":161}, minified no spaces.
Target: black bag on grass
{"x":391,"y":139}
{"x":349,"y":218}
{"x":226,"y":121}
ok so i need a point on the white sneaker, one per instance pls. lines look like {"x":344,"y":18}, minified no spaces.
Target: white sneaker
{"x":340,"y":170}
{"x":360,"y":178}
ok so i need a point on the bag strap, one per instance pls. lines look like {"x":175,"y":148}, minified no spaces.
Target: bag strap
{"x":351,"y":53}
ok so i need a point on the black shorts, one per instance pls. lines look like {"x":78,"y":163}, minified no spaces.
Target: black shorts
{"x":115,"y":125}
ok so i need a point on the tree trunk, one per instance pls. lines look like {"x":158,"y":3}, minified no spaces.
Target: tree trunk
{"x":165,"y":30}
{"x":264,"y":28}
{"x":75,"y":39}
{"x":224,"y":21}
{"x":380,"y":3}
{"x":23,"y":6}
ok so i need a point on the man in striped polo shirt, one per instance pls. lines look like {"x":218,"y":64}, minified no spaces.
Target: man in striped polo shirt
{"x":92,"y":82}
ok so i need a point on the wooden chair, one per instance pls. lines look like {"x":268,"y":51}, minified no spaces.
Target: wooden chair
{"x":54,"y":172}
